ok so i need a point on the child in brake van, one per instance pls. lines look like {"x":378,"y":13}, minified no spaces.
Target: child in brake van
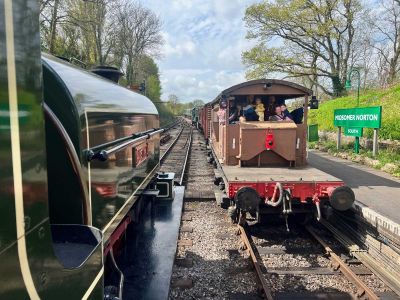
{"x":260,"y":109}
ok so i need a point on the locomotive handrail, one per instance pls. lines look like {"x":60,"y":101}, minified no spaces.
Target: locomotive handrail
{"x":120,"y":140}
{"x":100,"y":153}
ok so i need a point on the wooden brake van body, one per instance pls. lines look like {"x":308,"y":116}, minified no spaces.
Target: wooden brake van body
{"x":261,"y":166}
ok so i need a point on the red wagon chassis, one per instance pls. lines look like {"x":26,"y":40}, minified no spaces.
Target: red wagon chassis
{"x":303,"y":191}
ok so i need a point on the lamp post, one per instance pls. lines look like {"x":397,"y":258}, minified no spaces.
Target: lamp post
{"x":348,"y":87}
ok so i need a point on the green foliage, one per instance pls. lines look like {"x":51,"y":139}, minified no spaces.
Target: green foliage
{"x":148,"y":71}
{"x":153,"y":88}
{"x":178,"y":108}
{"x":384,"y":156}
{"x":314,"y":40}
{"x":387,"y":98}
{"x":153,"y":91}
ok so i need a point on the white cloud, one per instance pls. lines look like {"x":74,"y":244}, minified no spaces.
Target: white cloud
{"x":203,"y":45}
{"x":185,"y":47}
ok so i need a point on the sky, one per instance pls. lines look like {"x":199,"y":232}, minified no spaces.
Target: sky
{"x":204,"y":40}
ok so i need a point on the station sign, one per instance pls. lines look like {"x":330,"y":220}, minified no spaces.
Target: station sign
{"x":353,"y":131}
{"x":359,"y":117}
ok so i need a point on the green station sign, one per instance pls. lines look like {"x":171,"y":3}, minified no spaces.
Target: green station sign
{"x":353,"y":131}
{"x":360,"y":117}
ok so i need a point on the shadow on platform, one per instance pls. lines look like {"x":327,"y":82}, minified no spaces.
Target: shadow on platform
{"x":352,"y":176}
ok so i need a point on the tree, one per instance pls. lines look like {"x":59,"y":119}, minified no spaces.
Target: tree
{"x":51,"y":14}
{"x":138,"y":33}
{"x":314,"y":39}
{"x":144,"y":68}
{"x":173,"y":103}
{"x":198,"y":103}
{"x":387,"y":43}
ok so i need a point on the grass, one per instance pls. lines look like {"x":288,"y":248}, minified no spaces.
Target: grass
{"x":388,"y":98}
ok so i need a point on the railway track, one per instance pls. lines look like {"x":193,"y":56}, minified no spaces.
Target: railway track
{"x":308,"y":263}
{"x":175,"y":154}
{"x":168,"y":132}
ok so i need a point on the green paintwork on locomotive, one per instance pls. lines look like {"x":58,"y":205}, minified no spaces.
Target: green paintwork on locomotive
{"x":44,"y":272}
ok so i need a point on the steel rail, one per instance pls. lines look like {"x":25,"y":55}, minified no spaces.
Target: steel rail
{"x":165,"y":154}
{"x":170,"y":126}
{"x":189,"y":147}
{"x":339,"y":264}
{"x":380,"y":269}
{"x":257,"y":264}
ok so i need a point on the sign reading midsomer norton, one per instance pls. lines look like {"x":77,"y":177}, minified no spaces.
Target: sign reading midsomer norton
{"x":360,"y":117}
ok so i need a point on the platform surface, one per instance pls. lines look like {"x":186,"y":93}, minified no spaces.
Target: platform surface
{"x":375,"y":189}
{"x":262,"y":174}
{"x":150,"y":251}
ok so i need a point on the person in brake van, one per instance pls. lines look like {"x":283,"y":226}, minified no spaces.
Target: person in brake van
{"x":285,"y":111}
{"x":233,"y":112}
{"x":249,"y":113}
{"x":221,"y":112}
{"x":279,"y":116}
{"x":298,"y":114}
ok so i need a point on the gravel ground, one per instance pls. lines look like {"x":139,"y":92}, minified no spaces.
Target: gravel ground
{"x":219,"y":271}
{"x":314,"y":258}
{"x":201,"y":173}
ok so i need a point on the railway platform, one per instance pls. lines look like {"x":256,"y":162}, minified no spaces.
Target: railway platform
{"x":377,"y":193}
{"x":148,"y":258}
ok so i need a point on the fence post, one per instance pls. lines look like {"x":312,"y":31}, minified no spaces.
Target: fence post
{"x":375,"y":143}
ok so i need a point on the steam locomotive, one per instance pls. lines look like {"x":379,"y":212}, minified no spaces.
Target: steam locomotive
{"x":77,"y":153}
{"x":261,"y":166}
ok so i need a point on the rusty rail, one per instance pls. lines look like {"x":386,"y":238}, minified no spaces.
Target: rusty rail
{"x":189,"y":147}
{"x":339,"y":264}
{"x":165,"y":154}
{"x":257,"y":264}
